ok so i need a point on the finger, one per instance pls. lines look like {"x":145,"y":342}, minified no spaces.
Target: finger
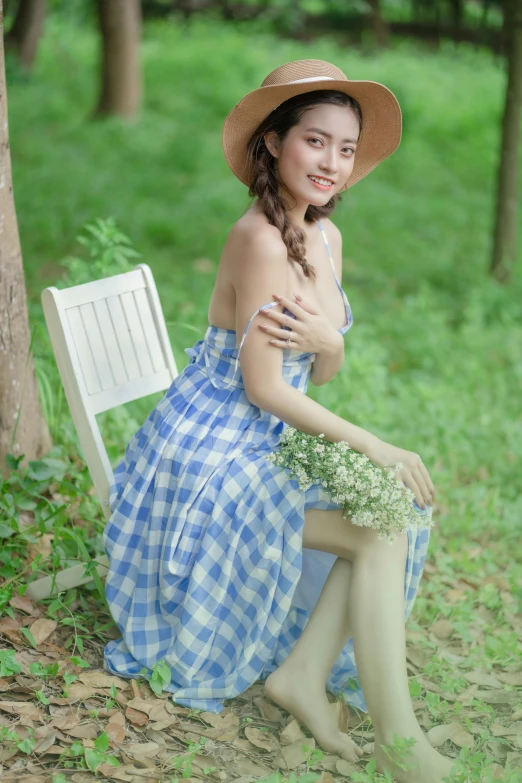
{"x":421,"y":483}
{"x":292,"y":305}
{"x":281,"y":343}
{"x":282,"y":334}
{"x":286,"y":322}
{"x":412,"y":484}
{"x":427,"y":479}
{"x":288,"y":303}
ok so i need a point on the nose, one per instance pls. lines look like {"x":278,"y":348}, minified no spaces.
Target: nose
{"x":330,"y":162}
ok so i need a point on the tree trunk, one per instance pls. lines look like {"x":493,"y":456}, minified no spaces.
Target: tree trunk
{"x":21,"y":419}
{"x":456,"y":13}
{"x":505,"y":234}
{"x":379,"y":26}
{"x":26,"y":30}
{"x":120,"y":27}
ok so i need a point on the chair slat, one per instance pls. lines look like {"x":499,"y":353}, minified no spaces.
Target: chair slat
{"x":149,"y":329}
{"x":85,"y":357}
{"x":121,"y":330}
{"x":109,"y":336}
{"x":136,"y":332}
{"x":96,"y":342}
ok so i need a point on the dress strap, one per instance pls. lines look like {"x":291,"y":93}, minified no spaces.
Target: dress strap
{"x":264,"y":307}
{"x":329,"y":251}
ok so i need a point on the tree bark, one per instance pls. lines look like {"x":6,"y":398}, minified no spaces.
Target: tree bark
{"x":379,"y":26}
{"x":120,"y":28}
{"x":505,"y":233}
{"x":21,"y":419}
{"x":26,"y":30}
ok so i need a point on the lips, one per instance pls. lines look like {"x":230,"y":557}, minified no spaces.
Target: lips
{"x":326,"y":179}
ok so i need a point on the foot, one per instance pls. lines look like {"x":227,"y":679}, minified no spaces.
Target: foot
{"x":425,"y":764}
{"x":303,"y":695}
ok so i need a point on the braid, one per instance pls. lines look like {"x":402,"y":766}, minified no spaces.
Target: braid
{"x":264,"y":186}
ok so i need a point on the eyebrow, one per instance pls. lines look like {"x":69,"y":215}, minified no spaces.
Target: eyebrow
{"x":328,"y":135}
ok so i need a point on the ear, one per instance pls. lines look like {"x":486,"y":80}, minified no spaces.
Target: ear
{"x":272,"y":143}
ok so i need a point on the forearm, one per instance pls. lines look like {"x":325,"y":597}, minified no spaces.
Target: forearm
{"x":327,"y":364}
{"x":301,"y":412}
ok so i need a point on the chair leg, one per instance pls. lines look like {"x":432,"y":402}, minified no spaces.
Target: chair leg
{"x":64,"y":580}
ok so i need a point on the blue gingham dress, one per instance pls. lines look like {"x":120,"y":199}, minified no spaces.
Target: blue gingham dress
{"x":207,"y":568}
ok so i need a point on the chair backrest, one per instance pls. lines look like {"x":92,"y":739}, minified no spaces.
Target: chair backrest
{"x":111,"y":346}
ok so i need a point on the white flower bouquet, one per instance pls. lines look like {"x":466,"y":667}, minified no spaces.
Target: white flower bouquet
{"x":372,"y":495}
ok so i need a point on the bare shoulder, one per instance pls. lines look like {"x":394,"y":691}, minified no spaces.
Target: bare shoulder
{"x":254,"y":230}
{"x":253,"y":242}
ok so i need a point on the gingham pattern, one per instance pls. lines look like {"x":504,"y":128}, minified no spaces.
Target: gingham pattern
{"x":207,"y":568}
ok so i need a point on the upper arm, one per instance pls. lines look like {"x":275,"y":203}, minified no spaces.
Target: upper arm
{"x":260,"y":270}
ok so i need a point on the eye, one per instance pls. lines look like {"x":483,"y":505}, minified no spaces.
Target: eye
{"x":315,"y":140}
{"x":350,"y":149}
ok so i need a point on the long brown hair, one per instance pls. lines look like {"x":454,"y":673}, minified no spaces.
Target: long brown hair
{"x":264,"y":182}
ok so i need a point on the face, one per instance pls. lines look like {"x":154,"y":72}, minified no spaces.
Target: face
{"x":322,"y":146}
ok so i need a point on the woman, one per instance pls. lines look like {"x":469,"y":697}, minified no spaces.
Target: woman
{"x":219,"y":563}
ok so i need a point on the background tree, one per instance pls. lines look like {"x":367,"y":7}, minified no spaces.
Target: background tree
{"x":20,"y":413}
{"x":120,"y":28}
{"x":26,"y":29}
{"x":379,"y":26}
{"x":505,"y":235}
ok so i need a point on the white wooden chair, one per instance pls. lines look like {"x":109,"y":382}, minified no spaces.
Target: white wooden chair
{"x":111,"y":346}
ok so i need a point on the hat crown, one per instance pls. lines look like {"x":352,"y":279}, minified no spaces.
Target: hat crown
{"x":301,"y":70}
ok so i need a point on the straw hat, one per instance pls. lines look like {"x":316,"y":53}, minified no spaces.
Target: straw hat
{"x":382,"y":122}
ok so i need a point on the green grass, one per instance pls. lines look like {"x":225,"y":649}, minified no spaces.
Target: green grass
{"x":434,"y":359}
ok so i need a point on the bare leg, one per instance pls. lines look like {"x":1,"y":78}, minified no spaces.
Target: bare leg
{"x":371,"y":594}
{"x":376,"y":608}
{"x":299,"y":684}
{"x":326,"y":632}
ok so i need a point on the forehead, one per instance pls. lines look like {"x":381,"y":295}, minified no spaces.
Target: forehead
{"x":331,"y":117}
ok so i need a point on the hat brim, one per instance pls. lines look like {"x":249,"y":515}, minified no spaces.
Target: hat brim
{"x":381,"y":133}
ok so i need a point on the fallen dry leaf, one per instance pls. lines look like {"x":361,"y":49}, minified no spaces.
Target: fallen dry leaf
{"x":99,"y":679}
{"x":442,"y":629}
{"x":293,"y":755}
{"x":482,"y":678}
{"x":156,"y":709}
{"x":247,"y":767}
{"x":45,"y":737}
{"x":77,"y":691}
{"x":22,"y":708}
{"x":498,"y":697}
{"x":454,"y":731}
{"x":261,"y":739}
{"x":326,"y":778}
{"x":136,"y":717}
{"x":267,"y":710}
{"x":64,"y":722}
{"x":115,"y":731}
{"x":145,"y":749}
{"x":514,"y":761}
{"x":23,"y":603}
{"x":508,"y":678}
{"x":42,"y":629}
{"x":291,"y":733}
{"x":346,"y":769}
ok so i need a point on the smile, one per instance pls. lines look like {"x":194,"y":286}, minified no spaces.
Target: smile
{"x":320,"y":182}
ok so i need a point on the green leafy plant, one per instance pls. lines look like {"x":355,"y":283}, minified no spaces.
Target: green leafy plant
{"x":109,"y":253}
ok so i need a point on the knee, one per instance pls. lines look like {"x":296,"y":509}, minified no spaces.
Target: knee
{"x":374,"y":550}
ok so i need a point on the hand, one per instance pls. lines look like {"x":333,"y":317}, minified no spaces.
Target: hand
{"x":413,"y":473}
{"x":310,"y":330}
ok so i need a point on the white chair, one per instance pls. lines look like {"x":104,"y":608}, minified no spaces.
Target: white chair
{"x":111,"y":346}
